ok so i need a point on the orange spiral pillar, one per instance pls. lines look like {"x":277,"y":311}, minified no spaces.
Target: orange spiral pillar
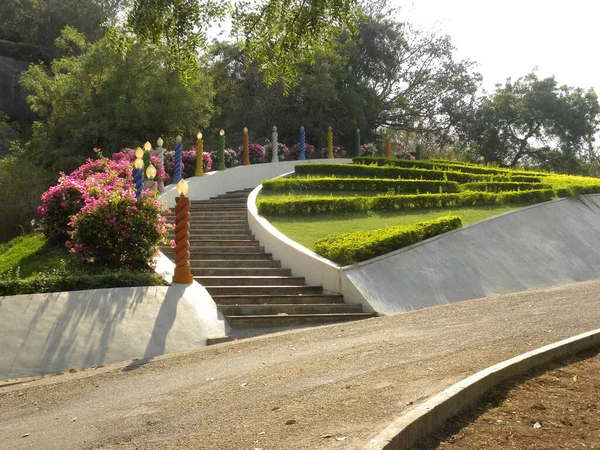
{"x":388,"y":148}
{"x":183,"y":273}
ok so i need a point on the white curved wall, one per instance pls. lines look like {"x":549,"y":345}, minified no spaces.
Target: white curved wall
{"x":239,"y":177}
{"x":539,"y":246}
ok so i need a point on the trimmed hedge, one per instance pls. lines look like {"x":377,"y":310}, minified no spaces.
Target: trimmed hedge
{"x":360,"y":184}
{"x":325,"y":205}
{"x":392,"y":172}
{"x":439,"y":165}
{"x":349,"y":248}
{"x":42,"y":283}
{"x":498,"y":186}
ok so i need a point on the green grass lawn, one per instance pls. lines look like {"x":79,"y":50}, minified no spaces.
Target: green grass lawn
{"x":30,"y":264}
{"x":32,"y":254}
{"x":306,"y":230}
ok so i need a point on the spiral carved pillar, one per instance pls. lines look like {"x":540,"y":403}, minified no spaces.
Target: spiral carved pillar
{"x":330,"y":143}
{"x":183,"y":273}
{"x":246,"y":155}
{"x":388,"y":148}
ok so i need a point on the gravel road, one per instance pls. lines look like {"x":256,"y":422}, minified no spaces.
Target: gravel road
{"x":328,"y":387}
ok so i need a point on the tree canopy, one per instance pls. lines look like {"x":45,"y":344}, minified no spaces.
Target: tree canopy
{"x":93,"y":97}
{"x":535,"y":121}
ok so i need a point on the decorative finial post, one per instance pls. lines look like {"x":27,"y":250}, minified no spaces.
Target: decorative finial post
{"x":388,"y":148}
{"x":138,"y":172}
{"x":245,"y":154}
{"x":329,"y":143}
{"x":199,"y":155}
{"x":178,"y":160}
{"x":274,"y":146}
{"x":358,"y":142}
{"x":183,"y":273}
{"x":159,"y":152}
{"x":302,"y":155}
{"x":221,"y":152}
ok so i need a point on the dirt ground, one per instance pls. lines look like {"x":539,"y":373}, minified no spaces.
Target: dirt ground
{"x":554,"y":407}
{"x":330,"y":387}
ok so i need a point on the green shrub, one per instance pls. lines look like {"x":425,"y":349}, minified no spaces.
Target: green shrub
{"x":392,"y":172}
{"x":441,"y":165}
{"x":497,"y":186}
{"x":41,"y":283}
{"x":324,"y":205}
{"x":359,"y":184}
{"x":119,"y":230}
{"x":349,"y":248}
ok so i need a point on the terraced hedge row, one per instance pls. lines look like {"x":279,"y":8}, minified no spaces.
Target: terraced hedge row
{"x":349,"y":248}
{"x":323,"y":205}
{"x":392,"y":172}
{"x":438,"y":165}
{"x":360,"y":184}
{"x":497,"y":186}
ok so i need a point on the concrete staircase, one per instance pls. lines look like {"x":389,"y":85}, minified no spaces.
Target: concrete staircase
{"x":248,"y":286}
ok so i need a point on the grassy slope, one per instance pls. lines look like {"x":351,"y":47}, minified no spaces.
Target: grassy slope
{"x":306,"y":230}
{"x":32,"y":254}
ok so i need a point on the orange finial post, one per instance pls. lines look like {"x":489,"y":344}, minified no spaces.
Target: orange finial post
{"x":388,"y":148}
{"x":183,"y":273}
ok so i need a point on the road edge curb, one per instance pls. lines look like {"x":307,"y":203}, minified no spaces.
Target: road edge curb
{"x":430,"y":415}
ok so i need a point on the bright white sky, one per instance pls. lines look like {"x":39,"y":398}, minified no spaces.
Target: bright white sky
{"x":511,"y":37}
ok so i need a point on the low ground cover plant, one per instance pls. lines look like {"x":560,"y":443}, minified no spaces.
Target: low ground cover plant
{"x":499,"y":186}
{"x":324,"y":205}
{"x":393,"y":172}
{"x":350,"y":248}
{"x":359,"y":184}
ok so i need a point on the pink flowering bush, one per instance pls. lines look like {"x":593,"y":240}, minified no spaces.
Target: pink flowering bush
{"x":188,"y":158}
{"x":256,"y":153}
{"x":117,"y":229}
{"x":368,"y":150}
{"x":338,"y":152}
{"x":93,"y":211}
{"x":283,"y":152}
{"x":93,"y":179}
{"x":404,"y":155}
{"x":230,"y":157}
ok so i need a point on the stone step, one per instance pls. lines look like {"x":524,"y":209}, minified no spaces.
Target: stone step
{"x":236,"y":263}
{"x":289,"y":319}
{"x":233,"y":256}
{"x":249,"y":280}
{"x":276,"y":299}
{"x":289,"y":308}
{"x":239,"y":271}
{"x":264,"y":290}
{"x":197,"y":236}
{"x":222,"y":201}
{"x":214,"y":214}
{"x":199,"y":243}
{"x":200,"y":252}
{"x":218,"y":228}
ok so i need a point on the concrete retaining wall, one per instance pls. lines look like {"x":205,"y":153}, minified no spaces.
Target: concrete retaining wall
{"x":50,"y":333}
{"x":538,"y":246}
{"x":315,"y":269}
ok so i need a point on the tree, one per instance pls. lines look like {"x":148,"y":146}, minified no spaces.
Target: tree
{"x":39,"y":22}
{"x":277,"y":34}
{"x":386,"y":76}
{"x":534,"y":121}
{"x":94,"y":97}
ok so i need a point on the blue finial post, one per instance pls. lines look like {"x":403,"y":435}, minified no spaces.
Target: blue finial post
{"x":178,"y":160}
{"x":138,"y":172}
{"x":302,"y":155}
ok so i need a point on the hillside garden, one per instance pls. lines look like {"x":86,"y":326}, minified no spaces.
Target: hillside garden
{"x":351,"y":213}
